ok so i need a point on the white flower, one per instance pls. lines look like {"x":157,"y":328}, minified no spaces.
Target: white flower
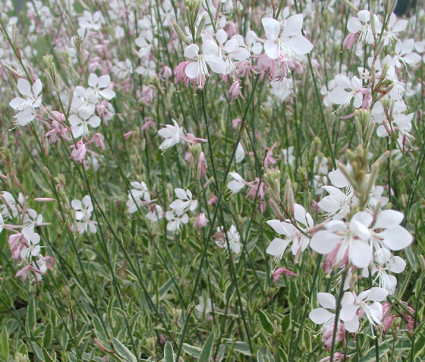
{"x":101,"y":85}
{"x":82,"y":214}
{"x":175,"y":220}
{"x":346,"y":90}
{"x":80,"y":123}
{"x":231,"y":236}
{"x":237,"y":183}
{"x":231,"y":50}
{"x":291,"y":233}
{"x":240,"y":153}
{"x":203,"y":308}
{"x":404,"y":54}
{"x":171,"y":134}
{"x":27,"y":106}
{"x":184,"y":202}
{"x":358,"y":238}
{"x":352,"y":303}
{"x":281,"y":89}
{"x":155,"y":213}
{"x":137,"y":196}
{"x":288,"y":157}
{"x":89,"y":21}
{"x":385,"y":261}
{"x":361,"y":25}
{"x":289,"y":44}
{"x":197,"y":68}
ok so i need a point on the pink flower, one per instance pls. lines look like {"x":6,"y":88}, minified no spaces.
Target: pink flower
{"x":276,"y":274}
{"x":79,"y":151}
{"x":235,"y":90}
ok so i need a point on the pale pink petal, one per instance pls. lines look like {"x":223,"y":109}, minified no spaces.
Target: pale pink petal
{"x":93,"y":79}
{"x":104,"y":81}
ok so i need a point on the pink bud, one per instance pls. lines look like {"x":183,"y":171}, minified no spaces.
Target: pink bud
{"x":98,"y":140}
{"x":201,"y":221}
{"x":212,"y":200}
{"x":350,"y":40}
{"x":276,"y":274}
{"x":235,"y":123}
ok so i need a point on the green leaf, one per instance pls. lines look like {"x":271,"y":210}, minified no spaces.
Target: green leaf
{"x":242,"y":347}
{"x":31,"y":316}
{"x":207,"y":348}
{"x":168,"y":352}
{"x":265,"y":321}
{"x":47,"y":339}
{"x":165,"y":288}
{"x":4,"y":344}
{"x":123,"y":351}
{"x":99,"y":330}
{"x":192,"y":350}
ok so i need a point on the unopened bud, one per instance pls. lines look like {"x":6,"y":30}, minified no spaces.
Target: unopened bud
{"x":272,"y":180}
{"x":289,"y":197}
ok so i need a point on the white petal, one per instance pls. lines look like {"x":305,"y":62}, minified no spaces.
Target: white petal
{"x":396,"y":238}
{"x":104,"y":81}
{"x":277,"y":247}
{"x":293,"y":26}
{"x":397,"y":265}
{"x":320,"y":315}
{"x":180,"y":193}
{"x":326,"y":300}
{"x":388,"y":219}
{"x":93,"y":79}
{"x":280,"y":227}
{"x":216,"y":64}
{"x":299,"y":44}
{"x":377,"y":294}
{"x":338,"y":179}
{"x":37,"y":87}
{"x":271,"y":49}
{"x":191,"y":51}
{"x":24,"y":87}
{"x":375,"y":310}
{"x":324,"y":242}
{"x":352,"y":325}
{"x":360,"y":253}
{"x":271,"y":28}
{"x":354,"y":25}
{"x":192,"y":70}
{"x":221,"y":36}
